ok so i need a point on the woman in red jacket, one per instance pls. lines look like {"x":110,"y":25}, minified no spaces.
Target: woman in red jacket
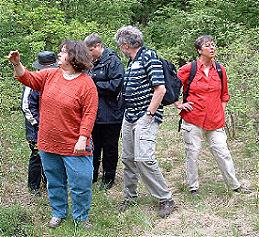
{"x":68,"y":109}
{"x":204,"y":115}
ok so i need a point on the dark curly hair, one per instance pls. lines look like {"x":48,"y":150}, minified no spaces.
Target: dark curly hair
{"x":78,"y":55}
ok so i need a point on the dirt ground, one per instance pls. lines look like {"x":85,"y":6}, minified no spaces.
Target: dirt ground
{"x":217,"y":211}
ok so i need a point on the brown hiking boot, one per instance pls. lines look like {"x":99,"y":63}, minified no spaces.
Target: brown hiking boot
{"x":194,"y":192}
{"x":85,"y":224}
{"x":166,"y":208}
{"x":243,"y":190}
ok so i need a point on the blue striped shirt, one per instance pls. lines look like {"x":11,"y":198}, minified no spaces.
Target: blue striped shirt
{"x":144,"y":73}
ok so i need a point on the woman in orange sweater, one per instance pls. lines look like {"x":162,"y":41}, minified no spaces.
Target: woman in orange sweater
{"x":68,"y":109}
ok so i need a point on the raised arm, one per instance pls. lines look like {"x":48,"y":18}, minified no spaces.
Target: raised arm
{"x":34,"y":80}
{"x":15,"y":59}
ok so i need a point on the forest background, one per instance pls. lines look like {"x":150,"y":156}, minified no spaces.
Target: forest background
{"x":170,"y":27}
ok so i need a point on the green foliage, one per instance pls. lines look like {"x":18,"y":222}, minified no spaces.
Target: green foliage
{"x":171,"y":28}
{"x":10,"y":95}
{"x":239,"y":11}
{"x":242,"y":65}
{"x":101,"y":11}
{"x":175,"y":28}
{"x":29,"y":26}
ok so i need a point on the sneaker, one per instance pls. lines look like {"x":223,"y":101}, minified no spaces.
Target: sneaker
{"x":243,"y":190}
{"x":54,"y":222}
{"x":125,"y":204}
{"x":194,"y":192}
{"x":85,"y":224}
{"x":166,"y":208}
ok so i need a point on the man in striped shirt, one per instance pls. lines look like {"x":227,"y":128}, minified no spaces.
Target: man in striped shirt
{"x":142,"y":92}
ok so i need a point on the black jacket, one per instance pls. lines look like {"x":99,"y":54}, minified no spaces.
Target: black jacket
{"x":30,"y":108}
{"x":107,"y":74}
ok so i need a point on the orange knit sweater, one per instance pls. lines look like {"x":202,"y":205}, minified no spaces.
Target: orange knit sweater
{"x":67,"y":109}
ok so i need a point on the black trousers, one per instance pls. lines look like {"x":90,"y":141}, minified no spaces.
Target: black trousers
{"x":35,"y":171}
{"x":105,"y":139}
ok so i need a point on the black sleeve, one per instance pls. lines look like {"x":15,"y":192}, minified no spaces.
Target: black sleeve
{"x":34,"y":104}
{"x":115,"y":78}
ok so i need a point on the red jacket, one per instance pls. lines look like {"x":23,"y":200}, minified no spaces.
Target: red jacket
{"x":207,"y":95}
{"x":67,"y":110}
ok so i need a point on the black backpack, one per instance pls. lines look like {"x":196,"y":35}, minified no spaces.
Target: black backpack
{"x":173,"y":84}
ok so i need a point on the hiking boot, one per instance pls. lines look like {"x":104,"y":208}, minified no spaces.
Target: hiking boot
{"x":243,"y":190}
{"x":194,"y":192}
{"x":125,"y":204}
{"x":54,"y":222}
{"x":166,"y":208}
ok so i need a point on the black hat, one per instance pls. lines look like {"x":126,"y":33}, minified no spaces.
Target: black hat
{"x":45,"y":59}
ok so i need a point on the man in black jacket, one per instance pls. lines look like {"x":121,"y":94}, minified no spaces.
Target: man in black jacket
{"x":107,"y":73}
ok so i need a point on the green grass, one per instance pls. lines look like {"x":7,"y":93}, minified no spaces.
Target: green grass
{"x":215,"y":212}
{"x":15,"y":221}
{"x":22,"y":215}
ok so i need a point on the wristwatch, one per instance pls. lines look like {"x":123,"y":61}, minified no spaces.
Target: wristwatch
{"x":150,"y":114}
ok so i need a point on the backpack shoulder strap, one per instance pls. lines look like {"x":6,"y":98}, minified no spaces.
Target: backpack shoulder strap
{"x":143,"y":54}
{"x":190,"y":79}
{"x":219,"y":70}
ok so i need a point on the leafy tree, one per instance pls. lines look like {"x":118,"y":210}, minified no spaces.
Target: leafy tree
{"x":169,"y":26}
{"x":111,"y":13}
{"x":241,"y":61}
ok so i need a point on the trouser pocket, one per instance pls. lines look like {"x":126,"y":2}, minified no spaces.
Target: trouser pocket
{"x":186,"y":129}
{"x":145,"y":139}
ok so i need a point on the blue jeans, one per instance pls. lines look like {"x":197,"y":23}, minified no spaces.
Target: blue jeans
{"x":78,"y":172}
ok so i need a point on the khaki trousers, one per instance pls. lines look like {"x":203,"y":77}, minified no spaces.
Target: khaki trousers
{"x":138,"y":157}
{"x":217,"y":140}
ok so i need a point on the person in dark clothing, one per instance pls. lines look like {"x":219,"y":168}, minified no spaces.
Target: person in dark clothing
{"x":30,"y":108}
{"x":107,"y":73}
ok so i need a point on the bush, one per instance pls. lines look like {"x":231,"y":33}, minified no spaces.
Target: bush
{"x":241,"y":61}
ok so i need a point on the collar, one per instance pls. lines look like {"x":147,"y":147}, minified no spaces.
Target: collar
{"x":139,"y":53}
{"x":141,"y":49}
{"x":200,"y":64}
{"x":104,"y":57}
